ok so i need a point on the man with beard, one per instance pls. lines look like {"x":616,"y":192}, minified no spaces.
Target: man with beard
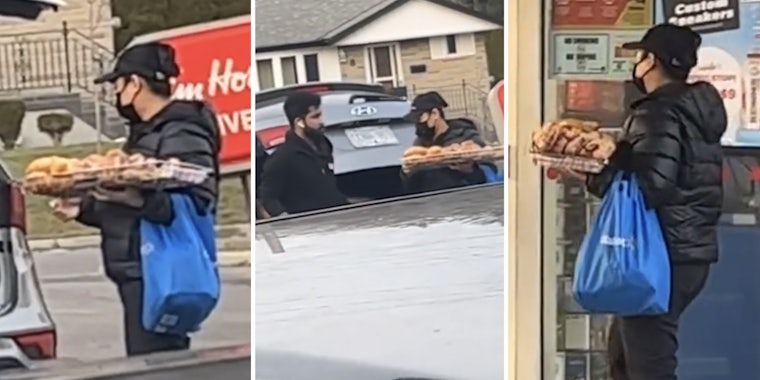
{"x":432,"y":128}
{"x":162,"y":128}
{"x":298,"y":176}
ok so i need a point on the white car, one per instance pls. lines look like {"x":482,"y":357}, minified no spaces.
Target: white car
{"x":27,"y":332}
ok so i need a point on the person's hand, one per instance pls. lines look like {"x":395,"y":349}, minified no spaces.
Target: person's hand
{"x":128,"y":196}
{"x":65,"y":209}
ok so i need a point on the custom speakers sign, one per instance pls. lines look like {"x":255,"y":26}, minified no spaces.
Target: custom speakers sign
{"x":703,"y":16}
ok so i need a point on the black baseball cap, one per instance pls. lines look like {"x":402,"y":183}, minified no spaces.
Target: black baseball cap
{"x":151,"y":61}
{"x":675,"y":46}
{"x":425,"y":102}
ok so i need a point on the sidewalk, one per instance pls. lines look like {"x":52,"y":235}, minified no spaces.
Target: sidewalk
{"x":233,"y":241}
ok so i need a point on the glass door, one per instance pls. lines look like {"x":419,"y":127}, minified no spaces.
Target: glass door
{"x":383,"y":65}
{"x":585,"y":74}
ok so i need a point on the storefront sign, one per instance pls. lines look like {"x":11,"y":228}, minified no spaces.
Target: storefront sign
{"x":728,"y":59}
{"x":601,"y":14}
{"x":581,"y":54}
{"x":215,"y":63}
{"x":704,"y":16}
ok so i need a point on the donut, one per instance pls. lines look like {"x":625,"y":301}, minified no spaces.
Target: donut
{"x":416,"y":151}
{"x":434,"y":150}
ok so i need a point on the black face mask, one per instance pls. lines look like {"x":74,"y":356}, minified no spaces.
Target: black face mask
{"x":127,"y":111}
{"x":639,"y":82}
{"x":424,"y":132}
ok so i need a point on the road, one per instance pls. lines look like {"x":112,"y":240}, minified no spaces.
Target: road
{"x":86,"y":310}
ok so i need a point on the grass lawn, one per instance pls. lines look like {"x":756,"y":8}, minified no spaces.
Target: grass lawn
{"x":42,"y":224}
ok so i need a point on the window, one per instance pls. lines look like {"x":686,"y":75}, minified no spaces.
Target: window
{"x":289,"y":71}
{"x":451,"y":44}
{"x":265,"y":74}
{"x":311,"y":63}
{"x":382,"y":65}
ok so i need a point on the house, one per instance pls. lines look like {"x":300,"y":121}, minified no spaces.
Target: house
{"x":409,"y":46}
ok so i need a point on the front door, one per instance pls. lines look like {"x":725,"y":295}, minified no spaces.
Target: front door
{"x":383,"y":65}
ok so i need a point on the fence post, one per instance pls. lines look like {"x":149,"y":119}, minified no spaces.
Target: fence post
{"x":464,"y":97}
{"x":67,"y":64}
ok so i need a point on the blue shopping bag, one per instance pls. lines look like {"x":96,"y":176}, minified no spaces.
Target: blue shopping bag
{"x":492,"y":176}
{"x":181,"y":280}
{"x":623,"y":266}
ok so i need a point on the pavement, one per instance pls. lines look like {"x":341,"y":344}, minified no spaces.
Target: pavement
{"x":233,"y":242}
{"x":86,"y":310}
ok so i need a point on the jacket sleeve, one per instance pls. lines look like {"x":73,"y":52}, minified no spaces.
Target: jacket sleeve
{"x":188,"y":143}
{"x":597,"y":184}
{"x":273,"y":184}
{"x":656,"y":155}
{"x":88,"y":214}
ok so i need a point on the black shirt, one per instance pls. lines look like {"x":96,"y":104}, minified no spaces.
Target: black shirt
{"x":299,"y":177}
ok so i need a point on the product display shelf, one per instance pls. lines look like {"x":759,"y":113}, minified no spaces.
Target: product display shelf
{"x":581,"y":336}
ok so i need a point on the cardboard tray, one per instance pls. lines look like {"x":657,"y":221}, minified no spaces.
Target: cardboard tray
{"x":558,"y":161}
{"x":491,"y":153}
{"x":162,"y":175}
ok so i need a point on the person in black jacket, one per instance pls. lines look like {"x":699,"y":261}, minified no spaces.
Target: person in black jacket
{"x":431,"y":129}
{"x":261,"y":157}
{"x":671,"y":143}
{"x":298,"y":176}
{"x":161,"y":128}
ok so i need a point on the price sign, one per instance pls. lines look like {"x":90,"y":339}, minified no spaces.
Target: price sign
{"x":728,"y":93}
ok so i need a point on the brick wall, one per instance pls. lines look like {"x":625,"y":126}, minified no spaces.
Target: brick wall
{"x":440,"y":73}
{"x":444,"y":73}
{"x":352,"y":68}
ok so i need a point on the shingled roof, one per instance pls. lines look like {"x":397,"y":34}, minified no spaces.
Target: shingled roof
{"x":293,"y":24}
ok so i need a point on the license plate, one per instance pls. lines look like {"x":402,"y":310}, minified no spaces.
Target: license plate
{"x":367,"y":137}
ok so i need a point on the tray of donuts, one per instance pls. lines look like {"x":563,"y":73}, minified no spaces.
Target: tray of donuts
{"x":572,"y":144}
{"x":62,"y":176}
{"x":418,"y":157}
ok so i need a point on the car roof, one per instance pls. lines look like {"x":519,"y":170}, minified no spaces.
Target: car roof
{"x":336,"y":108}
{"x":421,"y":270}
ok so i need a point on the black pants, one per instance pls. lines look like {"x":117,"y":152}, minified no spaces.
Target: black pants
{"x":644,"y":348}
{"x":137,"y":339}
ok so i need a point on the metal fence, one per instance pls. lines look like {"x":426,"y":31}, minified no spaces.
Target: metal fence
{"x":65,"y":59}
{"x":466,"y":100}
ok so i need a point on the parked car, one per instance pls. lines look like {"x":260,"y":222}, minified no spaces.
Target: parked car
{"x":365,"y":125}
{"x":410,"y":287}
{"x":27,"y":332}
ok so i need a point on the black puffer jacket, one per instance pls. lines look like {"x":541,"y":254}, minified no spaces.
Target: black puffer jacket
{"x":460,"y":130}
{"x":672,"y":144}
{"x":187,"y":131}
{"x":299,"y":177}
